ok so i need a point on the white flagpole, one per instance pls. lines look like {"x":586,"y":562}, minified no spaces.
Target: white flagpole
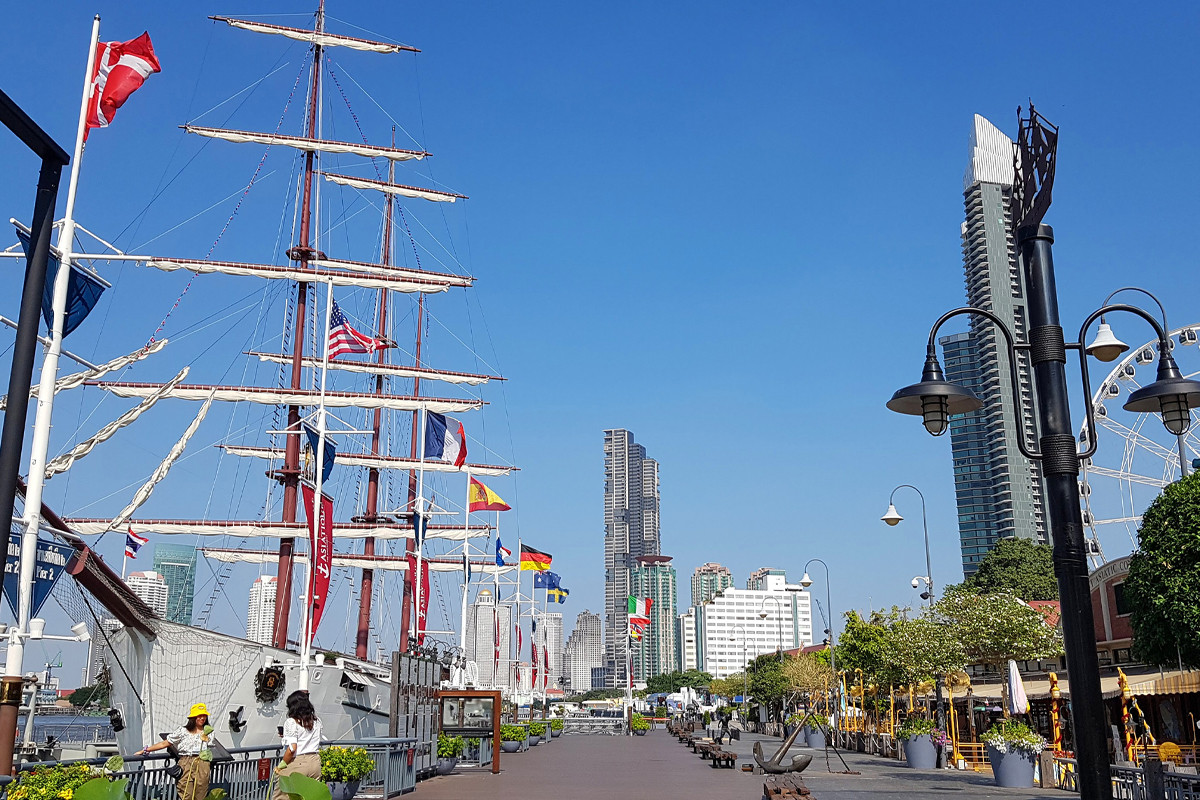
{"x":318,"y":497}
{"x":517,"y":602}
{"x":40,"y":443}
{"x":419,"y":511}
{"x":462,"y":636}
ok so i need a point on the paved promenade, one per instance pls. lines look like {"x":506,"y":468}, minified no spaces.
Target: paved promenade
{"x":657,"y":766}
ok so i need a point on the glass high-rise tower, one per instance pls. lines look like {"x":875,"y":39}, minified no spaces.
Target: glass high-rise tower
{"x":658,"y":652}
{"x":998,"y":490}
{"x":177,"y":565}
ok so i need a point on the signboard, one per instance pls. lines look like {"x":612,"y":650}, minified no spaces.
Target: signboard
{"x":52,"y":558}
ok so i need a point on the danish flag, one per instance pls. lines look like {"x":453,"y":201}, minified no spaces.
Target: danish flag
{"x":121,"y":69}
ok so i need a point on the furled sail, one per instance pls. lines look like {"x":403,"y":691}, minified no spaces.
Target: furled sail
{"x":376,"y":462}
{"x":64,"y":462}
{"x":279,"y":530}
{"x":395,"y":272}
{"x":143,"y":494}
{"x":308,"y":145}
{"x":317,"y":37}
{"x":77,"y":378}
{"x":292,"y":397}
{"x":392,"y":370}
{"x":397,"y":563}
{"x":364,"y":280}
{"x":434,"y":195}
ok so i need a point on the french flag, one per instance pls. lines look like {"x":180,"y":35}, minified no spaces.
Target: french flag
{"x":445,"y":440}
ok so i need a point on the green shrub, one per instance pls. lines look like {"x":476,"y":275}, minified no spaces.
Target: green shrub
{"x":537,"y":729}
{"x":1007,"y":735}
{"x":345,"y":764}
{"x":660,"y":712}
{"x":449,"y":746}
{"x":513,"y":733}
{"x":51,"y":783}
{"x":919,"y":726}
{"x":556,"y":724}
{"x":639,"y":723}
{"x":707,"y":718}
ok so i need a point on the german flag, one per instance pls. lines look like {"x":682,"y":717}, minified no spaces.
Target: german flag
{"x":534,"y":559}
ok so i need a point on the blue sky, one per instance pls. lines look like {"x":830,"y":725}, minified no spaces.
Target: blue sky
{"x":724,"y":227}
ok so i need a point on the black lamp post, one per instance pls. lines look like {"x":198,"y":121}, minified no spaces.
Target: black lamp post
{"x":1171,"y":395}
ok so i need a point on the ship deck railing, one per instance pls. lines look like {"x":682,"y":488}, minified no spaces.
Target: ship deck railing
{"x":249,"y":775}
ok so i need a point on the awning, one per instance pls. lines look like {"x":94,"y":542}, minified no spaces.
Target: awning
{"x":357,"y":678}
{"x":1037,"y":688}
{"x":1173,"y":682}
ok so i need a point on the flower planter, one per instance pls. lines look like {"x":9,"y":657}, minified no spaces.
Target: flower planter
{"x":1013,"y":769}
{"x":920,"y":752}
{"x":816,"y":738}
{"x":510,"y":747}
{"x":446,"y":765}
{"x":555,"y":733}
{"x":343,"y":791}
{"x":533,"y":740}
{"x":639,"y":733}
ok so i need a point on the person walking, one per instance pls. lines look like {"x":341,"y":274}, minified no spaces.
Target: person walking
{"x":301,"y":741}
{"x":190,"y":740}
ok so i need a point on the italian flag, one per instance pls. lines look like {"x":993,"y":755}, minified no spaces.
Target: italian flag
{"x":639,"y":613}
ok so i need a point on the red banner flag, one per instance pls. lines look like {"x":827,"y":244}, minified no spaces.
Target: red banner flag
{"x":533,"y":658}
{"x":320,"y":552}
{"x":121,"y":69}
{"x":412,"y":587}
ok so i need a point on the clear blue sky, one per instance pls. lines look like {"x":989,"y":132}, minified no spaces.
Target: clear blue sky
{"x":725,"y":227}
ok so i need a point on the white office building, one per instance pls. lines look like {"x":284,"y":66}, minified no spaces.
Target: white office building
{"x":486,"y":618}
{"x":685,"y":634}
{"x":152,"y":588}
{"x":738,"y":625}
{"x":260,"y":615}
{"x":549,"y":638}
{"x":99,"y":654}
{"x":585,"y":652}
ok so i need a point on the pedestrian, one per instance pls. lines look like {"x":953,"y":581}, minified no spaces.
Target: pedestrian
{"x":301,"y":741}
{"x":190,"y":740}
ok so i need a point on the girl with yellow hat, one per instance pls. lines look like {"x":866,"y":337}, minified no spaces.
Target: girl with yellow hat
{"x":190,"y":739}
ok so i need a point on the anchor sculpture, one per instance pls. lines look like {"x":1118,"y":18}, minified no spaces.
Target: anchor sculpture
{"x":776,"y":766}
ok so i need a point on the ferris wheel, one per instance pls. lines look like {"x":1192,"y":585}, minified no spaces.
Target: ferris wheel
{"x":1136,"y":456}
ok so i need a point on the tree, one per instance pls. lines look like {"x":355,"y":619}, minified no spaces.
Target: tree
{"x":918,"y":650}
{"x":1164,"y":574}
{"x":1017,"y":565}
{"x":863,"y":645}
{"x":767,"y":683}
{"x":674,"y":681}
{"x":807,"y":674}
{"x":727,"y":687}
{"x":89,"y":695}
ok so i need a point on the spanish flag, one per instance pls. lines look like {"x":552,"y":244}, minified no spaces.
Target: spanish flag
{"x":534,"y":559}
{"x":484,"y":499}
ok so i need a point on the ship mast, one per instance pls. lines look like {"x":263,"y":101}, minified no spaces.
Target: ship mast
{"x":367,"y":586}
{"x":301,"y":253}
{"x":406,"y":606}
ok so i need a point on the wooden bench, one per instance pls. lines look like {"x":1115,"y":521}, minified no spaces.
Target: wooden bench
{"x":706,"y":749}
{"x":722,"y":758}
{"x":784,"y":787}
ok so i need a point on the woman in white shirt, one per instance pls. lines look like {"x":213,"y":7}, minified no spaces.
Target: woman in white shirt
{"x":301,"y":740}
{"x":190,"y":740}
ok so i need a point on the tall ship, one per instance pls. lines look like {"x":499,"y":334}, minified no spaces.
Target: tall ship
{"x":363,"y":546}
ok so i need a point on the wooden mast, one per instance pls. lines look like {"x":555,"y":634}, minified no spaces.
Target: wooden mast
{"x":406,"y":606}
{"x":301,"y":253}
{"x":367,"y":584}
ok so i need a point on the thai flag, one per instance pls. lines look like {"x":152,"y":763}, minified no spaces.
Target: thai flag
{"x":445,"y":440}
{"x":133,"y":543}
{"x":502,"y":553}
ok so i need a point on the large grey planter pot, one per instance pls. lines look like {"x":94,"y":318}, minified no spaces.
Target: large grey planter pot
{"x":639,"y":733}
{"x":1014,"y":769}
{"x":920,"y":752}
{"x":533,"y":740}
{"x":816,"y":738}
{"x":510,"y":747}
{"x":446,"y":765}
{"x":554,"y":734}
{"x":343,"y":791}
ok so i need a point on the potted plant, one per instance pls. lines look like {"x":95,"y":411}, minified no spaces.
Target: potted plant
{"x":815,"y":738}
{"x":51,"y":783}
{"x":639,"y":724}
{"x":449,"y":750}
{"x":512,"y":737}
{"x":537,"y":730}
{"x":707,"y":718}
{"x":556,"y":727}
{"x":1012,"y":749}
{"x":790,"y":724}
{"x":343,"y":768}
{"x":922,"y":739}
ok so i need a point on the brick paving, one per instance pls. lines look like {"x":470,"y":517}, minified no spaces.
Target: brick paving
{"x":657,"y":766}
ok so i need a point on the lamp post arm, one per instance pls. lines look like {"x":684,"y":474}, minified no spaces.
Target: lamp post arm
{"x":1149,"y":294}
{"x":925,"y":525}
{"x":1014,"y":375}
{"x":1164,"y":344}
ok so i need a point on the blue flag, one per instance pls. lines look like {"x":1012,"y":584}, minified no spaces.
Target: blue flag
{"x":83,"y":291}
{"x":559,"y":595}
{"x":314,"y":441}
{"x":545,"y":579}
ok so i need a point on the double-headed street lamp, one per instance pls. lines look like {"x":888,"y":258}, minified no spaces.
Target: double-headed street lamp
{"x":935,"y":400}
{"x":807,"y":582}
{"x":762,"y":614}
{"x":892,"y":517}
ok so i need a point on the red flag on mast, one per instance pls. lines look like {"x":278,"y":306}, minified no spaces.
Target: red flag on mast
{"x":411,"y":580}
{"x":320,"y":552}
{"x":121,"y":69}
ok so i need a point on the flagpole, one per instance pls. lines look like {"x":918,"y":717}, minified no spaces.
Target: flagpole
{"x":545,"y":650}
{"x":419,"y":511}
{"x":40,"y":443}
{"x":518,"y":615}
{"x":462,"y":636}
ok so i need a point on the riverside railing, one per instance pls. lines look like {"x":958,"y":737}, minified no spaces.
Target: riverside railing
{"x":1135,"y":783}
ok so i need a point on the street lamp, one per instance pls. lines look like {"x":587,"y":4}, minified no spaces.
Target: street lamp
{"x":762,"y":614}
{"x":1170,"y":395}
{"x":892,"y":517}
{"x":807,"y":582}
{"x":745,"y":660}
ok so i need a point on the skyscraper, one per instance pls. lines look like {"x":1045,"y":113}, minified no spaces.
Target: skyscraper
{"x":585,"y":651}
{"x":99,"y":653}
{"x":761,"y":577}
{"x":685,"y":635}
{"x":549,"y":637}
{"x":177,"y":564}
{"x":484,"y":617}
{"x":151,"y":587}
{"x":658,"y":652}
{"x":708,"y":580}
{"x":260,"y":615}
{"x":630,"y":530}
{"x":998,"y":491}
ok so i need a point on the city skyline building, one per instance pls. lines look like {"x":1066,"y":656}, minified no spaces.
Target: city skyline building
{"x":549,"y":637}
{"x":740,"y":624}
{"x":631,"y":529}
{"x":685,"y":635}
{"x":99,"y":654}
{"x":707,"y":580}
{"x":585,"y":651}
{"x":151,"y":588}
{"x":177,"y":564}
{"x":998,"y":491}
{"x":260,"y":612}
{"x":484,"y":617}
{"x":654,"y":577}
{"x":759,"y":578}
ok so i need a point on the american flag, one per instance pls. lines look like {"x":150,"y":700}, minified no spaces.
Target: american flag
{"x":344,"y":339}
